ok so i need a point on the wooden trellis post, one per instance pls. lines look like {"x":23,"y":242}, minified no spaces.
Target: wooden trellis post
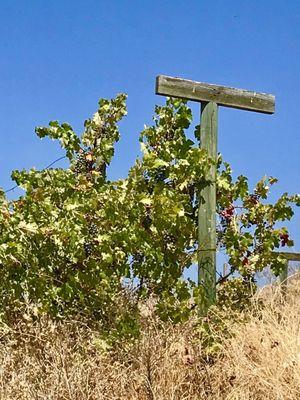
{"x":210,"y":97}
{"x":289,"y":256}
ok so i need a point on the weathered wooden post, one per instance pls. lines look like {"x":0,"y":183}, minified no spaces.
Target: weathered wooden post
{"x":289,"y":256}
{"x":210,"y":97}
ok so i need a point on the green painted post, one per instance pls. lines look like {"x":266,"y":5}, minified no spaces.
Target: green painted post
{"x":210,"y":96}
{"x":284,"y":274}
{"x":207,"y":211}
{"x":283,"y":278}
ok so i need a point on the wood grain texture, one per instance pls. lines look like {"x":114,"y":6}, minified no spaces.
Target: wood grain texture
{"x":283,"y":277}
{"x":207,"y":211}
{"x":222,"y":95}
{"x":288,"y":255}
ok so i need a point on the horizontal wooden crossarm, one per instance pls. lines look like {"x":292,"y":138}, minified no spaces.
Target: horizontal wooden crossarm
{"x":288,"y":256}
{"x":222,"y":95}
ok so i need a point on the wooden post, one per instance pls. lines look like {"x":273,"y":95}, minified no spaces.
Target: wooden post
{"x":222,"y":95}
{"x":283,"y":278}
{"x":207,"y":210}
{"x":289,"y":256}
{"x":211,"y":96}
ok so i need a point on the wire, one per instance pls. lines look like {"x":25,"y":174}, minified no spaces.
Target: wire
{"x":55,"y":161}
{"x":9,"y":190}
{"x":48,"y":166}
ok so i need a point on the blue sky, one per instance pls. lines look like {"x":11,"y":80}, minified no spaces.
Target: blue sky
{"x":58,"y":58}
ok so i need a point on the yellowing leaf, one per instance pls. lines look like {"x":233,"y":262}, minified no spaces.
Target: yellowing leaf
{"x":32,"y":228}
{"x":70,"y":207}
{"x":180,"y":213}
{"x":146,"y":200}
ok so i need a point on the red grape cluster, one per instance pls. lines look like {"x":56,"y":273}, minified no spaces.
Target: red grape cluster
{"x":245,"y":260}
{"x":227,"y":213}
{"x":284,"y":237}
{"x":254,"y":199}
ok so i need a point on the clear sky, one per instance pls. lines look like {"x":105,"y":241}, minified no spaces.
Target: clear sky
{"x":59,"y":57}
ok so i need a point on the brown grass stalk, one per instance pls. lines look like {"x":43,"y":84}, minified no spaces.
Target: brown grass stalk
{"x":259,"y":359}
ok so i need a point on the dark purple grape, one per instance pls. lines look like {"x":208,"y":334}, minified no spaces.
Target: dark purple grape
{"x":93,"y":229}
{"x":88,"y":248}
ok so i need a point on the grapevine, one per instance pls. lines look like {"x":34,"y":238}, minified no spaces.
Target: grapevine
{"x":73,"y":238}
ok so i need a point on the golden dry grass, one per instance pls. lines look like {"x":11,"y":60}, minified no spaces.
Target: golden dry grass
{"x":258,"y":360}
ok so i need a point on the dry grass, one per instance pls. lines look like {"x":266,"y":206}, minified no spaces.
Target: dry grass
{"x":261,"y":360}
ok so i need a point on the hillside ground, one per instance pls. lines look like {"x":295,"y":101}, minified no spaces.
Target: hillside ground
{"x":256,"y":359}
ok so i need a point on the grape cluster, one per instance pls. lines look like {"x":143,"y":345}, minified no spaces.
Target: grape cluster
{"x":80,"y":164}
{"x":150,"y":189}
{"x":84,"y":163}
{"x":169,"y":238}
{"x":147,"y":220}
{"x":138,"y":258}
{"x":245,"y":260}
{"x":149,"y":186}
{"x":284,"y":238}
{"x":227,"y":213}
{"x":88,"y":248}
{"x":220,"y":238}
{"x":93,"y":229}
{"x":254,"y":199}
{"x":160,"y":174}
{"x":169,"y":135}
